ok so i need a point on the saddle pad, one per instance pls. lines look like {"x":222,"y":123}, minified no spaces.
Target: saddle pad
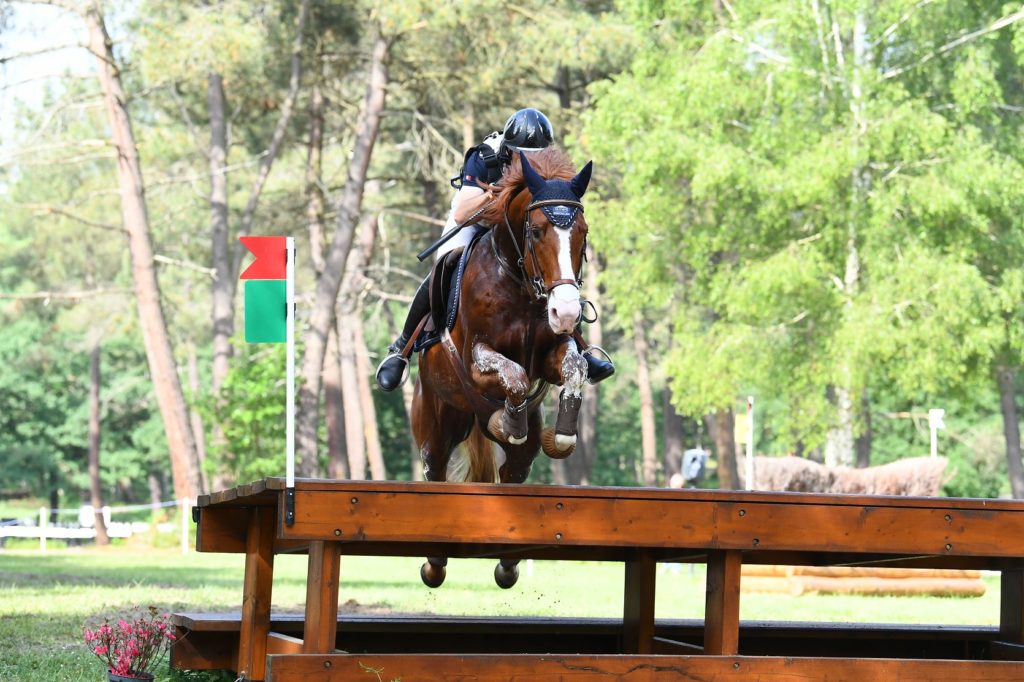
{"x":445,"y":292}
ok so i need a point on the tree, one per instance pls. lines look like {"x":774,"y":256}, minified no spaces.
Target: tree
{"x":782,"y":152}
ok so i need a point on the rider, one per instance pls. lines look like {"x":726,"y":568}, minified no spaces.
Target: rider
{"x":527,"y":130}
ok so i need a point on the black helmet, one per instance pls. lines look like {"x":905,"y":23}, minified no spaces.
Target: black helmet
{"x":528,"y":130}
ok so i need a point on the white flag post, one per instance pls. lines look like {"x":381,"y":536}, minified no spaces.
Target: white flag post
{"x":290,"y":382}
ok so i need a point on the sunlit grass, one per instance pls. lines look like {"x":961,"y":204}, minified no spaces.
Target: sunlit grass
{"x":46,"y":600}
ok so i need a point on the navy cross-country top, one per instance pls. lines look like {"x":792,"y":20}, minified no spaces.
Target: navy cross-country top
{"x":476,"y":170}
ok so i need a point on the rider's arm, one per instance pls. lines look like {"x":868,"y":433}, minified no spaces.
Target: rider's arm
{"x":468,"y":201}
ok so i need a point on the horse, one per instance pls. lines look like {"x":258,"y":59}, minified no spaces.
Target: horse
{"x":512,"y":338}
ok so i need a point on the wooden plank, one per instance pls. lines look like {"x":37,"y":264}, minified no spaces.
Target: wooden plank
{"x":1011,"y":607}
{"x":321,"y":625}
{"x":722,"y":603}
{"x":653,"y":523}
{"x":633,"y":493}
{"x":534,"y":668}
{"x":223,"y":530}
{"x":208,"y":651}
{"x":638,"y":605}
{"x":256,"y":593}
{"x":283,"y":644}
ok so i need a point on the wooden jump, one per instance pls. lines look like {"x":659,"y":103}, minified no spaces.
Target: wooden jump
{"x":639,"y":527}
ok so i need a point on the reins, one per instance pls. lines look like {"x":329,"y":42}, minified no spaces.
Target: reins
{"x":535,"y":285}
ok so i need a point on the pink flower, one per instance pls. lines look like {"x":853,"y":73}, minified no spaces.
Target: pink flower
{"x":133,"y":644}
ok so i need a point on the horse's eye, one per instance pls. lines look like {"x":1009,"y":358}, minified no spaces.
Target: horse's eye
{"x":536,"y":233}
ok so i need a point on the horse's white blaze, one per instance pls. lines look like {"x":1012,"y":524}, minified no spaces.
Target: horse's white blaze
{"x":564,"y":300}
{"x":563,"y":443}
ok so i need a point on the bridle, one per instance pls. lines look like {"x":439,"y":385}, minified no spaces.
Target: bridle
{"x":536,"y":285}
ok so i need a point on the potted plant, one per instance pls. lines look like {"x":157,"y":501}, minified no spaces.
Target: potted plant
{"x":132,"y":646}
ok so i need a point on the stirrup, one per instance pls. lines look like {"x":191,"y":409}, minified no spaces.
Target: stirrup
{"x":405,"y":370}
{"x":589,"y":350}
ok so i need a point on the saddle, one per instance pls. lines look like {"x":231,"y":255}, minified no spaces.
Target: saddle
{"x":445,"y":287}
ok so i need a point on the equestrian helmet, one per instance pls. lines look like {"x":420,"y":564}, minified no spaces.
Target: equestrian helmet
{"x":528,"y":130}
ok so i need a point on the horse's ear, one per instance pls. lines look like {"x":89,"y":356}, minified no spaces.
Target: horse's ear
{"x":534,"y":182}
{"x":582,"y":179}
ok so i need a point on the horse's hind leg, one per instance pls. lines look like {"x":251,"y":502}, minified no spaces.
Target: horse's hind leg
{"x":437,"y":428}
{"x":518,"y":462}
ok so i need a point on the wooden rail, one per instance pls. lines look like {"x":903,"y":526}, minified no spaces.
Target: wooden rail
{"x":639,"y":527}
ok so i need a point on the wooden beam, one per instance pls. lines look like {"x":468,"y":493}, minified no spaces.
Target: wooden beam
{"x":256,"y":589}
{"x":1011,"y":607}
{"x":771,"y":523}
{"x":638,"y":604}
{"x":722,"y":603}
{"x":283,"y":644}
{"x":504,"y":668}
{"x":321,"y":626}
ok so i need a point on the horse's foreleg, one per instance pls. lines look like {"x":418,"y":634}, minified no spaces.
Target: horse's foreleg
{"x":492,"y":370}
{"x":571,"y":368}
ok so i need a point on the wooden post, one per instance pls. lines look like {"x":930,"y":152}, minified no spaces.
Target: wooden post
{"x":321,"y":627}
{"x":1011,"y":607}
{"x":638,"y":605}
{"x":259,"y":579}
{"x":722,"y":605}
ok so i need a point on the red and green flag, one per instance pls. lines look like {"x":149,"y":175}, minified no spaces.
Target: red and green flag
{"x":266,"y":295}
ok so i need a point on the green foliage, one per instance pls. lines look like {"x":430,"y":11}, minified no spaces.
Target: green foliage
{"x":250,"y":413}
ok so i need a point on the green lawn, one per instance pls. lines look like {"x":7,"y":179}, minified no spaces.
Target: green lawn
{"x":45,"y":600}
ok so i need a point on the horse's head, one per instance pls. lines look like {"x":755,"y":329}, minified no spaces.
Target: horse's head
{"x":553,"y":237}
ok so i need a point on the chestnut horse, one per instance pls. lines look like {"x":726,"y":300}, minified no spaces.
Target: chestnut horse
{"x":513,"y":337}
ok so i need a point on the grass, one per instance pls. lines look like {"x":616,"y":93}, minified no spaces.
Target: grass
{"x":46,"y":600}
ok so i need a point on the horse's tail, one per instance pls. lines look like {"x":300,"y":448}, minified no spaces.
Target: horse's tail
{"x":482,"y":465}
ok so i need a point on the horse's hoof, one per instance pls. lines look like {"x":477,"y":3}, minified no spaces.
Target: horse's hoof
{"x":506,"y":577}
{"x":496,"y":425}
{"x":549,"y":441}
{"x":431,"y":575}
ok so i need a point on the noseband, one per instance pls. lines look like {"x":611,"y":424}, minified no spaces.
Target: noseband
{"x":536,"y":285}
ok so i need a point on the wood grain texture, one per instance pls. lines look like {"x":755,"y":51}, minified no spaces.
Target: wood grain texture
{"x":722,"y":604}
{"x":638,"y":605}
{"x":321,"y":626}
{"x":256,"y":593}
{"x":531,"y":668}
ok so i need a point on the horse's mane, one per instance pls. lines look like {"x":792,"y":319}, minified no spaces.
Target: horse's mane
{"x":551,"y":163}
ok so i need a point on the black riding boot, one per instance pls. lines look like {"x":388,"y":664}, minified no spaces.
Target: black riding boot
{"x":391,"y":371}
{"x":598,"y":369}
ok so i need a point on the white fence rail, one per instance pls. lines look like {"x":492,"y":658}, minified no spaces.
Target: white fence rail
{"x":84,"y":528}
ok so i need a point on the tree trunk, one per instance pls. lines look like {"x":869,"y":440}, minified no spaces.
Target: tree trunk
{"x":648,"y":440}
{"x":196,"y":420}
{"x":355,"y":439}
{"x":330,"y":282}
{"x":155,"y":491}
{"x":374,"y":454}
{"x":672,"y":430}
{"x":721,"y":426}
{"x":863,"y":443}
{"x":337,"y":450}
{"x":162,"y":368}
{"x":95,"y":489}
{"x":1007,"y":378}
{"x":315,"y":208}
{"x":223,"y":285}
